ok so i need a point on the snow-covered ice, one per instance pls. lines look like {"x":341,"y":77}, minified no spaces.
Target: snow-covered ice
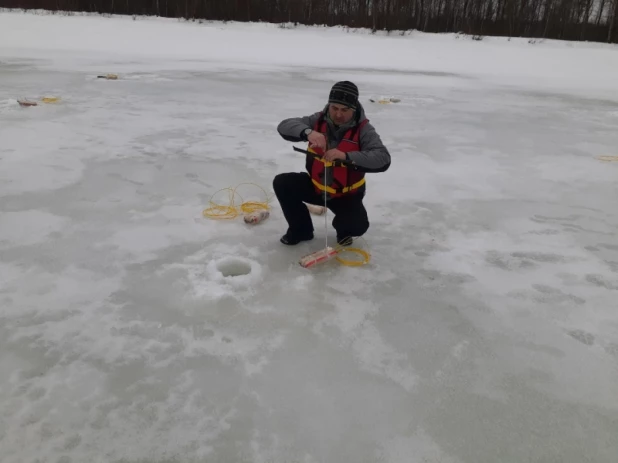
{"x":484,"y":330}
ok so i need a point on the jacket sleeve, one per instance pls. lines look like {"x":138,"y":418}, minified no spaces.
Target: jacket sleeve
{"x":373,"y":155}
{"x":292,"y":129}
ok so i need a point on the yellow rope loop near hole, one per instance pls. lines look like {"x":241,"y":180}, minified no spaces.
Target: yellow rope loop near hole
{"x":366,"y":257}
{"x":353,"y":263}
{"x":234,"y":209}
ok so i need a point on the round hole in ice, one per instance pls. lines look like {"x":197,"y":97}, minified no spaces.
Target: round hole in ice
{"x":233,"y":267}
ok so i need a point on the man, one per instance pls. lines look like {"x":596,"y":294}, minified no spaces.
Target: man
{"x":339,"y":134}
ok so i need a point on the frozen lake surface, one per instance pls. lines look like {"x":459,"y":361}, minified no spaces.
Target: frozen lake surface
{"x":484,"y":329}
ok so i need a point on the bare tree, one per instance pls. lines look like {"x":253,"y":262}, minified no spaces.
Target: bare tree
{"x":612,"y":22}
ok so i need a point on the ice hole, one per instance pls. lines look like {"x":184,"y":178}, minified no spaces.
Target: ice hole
{"x":233,"y":267}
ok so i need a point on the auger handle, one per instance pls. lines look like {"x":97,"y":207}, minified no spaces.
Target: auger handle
{"x":338,"y":162}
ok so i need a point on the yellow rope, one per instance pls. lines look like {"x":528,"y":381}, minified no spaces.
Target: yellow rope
{"x":366,"y":257}
{"x":233,"y":209}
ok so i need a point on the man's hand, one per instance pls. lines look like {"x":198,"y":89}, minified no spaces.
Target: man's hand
{"x":317,"y":140}
{"x":334,"y":154}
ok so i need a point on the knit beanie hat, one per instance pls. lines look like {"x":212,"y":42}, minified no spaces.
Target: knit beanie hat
{"x":345,"y":93}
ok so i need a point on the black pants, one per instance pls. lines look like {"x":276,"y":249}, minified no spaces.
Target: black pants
{"x":294,"y":188}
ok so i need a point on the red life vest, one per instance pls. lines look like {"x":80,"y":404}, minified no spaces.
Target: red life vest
{"x":344,"y":180}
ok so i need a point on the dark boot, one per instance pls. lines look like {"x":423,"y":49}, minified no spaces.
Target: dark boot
{"x":292,"y":240}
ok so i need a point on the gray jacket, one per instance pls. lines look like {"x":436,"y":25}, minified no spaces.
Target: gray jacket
{"x":373,"y":155}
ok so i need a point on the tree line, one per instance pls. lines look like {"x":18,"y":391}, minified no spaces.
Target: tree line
{"x":581,"y":20}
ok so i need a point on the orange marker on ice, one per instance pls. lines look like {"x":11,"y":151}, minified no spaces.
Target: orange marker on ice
{"x":317,"y":257}
{"x":256,"y":217}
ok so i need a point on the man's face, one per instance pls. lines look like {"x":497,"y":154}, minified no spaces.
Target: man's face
{"x":340,"y":114}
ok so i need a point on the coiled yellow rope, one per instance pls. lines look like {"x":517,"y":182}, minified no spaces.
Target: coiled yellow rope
{"x":233,"y":209}
{"x":366,"y":257}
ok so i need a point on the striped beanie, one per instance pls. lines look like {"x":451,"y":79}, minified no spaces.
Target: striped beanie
{"x":345,"y":93}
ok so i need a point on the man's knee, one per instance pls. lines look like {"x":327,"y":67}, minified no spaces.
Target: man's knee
{"x":360,"y":227}
{"x":351,"y":224}
{"x":290,"y":186}
{"x":284,"y":184}
{"x":279,"y":182}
